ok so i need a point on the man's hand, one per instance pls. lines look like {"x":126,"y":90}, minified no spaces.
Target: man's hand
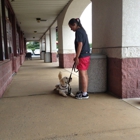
{"x":79,"y":48}
{"x":76,"y":60}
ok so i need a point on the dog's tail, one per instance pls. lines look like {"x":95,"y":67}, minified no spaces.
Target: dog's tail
{"x":60,"y":75}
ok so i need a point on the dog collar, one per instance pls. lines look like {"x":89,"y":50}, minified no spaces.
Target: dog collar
{"x":63,"y":87}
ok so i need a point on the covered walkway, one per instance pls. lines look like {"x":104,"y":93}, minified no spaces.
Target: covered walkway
{"x":31,"y":110}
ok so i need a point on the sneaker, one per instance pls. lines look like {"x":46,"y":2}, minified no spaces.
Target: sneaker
{"x":81,"y":96}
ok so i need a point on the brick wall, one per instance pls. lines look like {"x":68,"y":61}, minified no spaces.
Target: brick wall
{"x":6,"y":71}
{"x":114,"y":76}
{"x":54,"y":57}
{"x":17,"y":63}
{"x":22,"y":59}
{"x":5,"y":75}
{"x":131,"y":77}
{"x":66,"y":60}
{"x":124,"y":77}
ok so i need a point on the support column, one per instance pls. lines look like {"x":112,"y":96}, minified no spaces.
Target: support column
{"x":1,"y":44}
{"x":6,"y":55}
{"x":53,"y":44}
{"x":107,"y":39}
{"x":116,"y":33}
{"x":65,"y":40}
{"x":20,"y":50}
{"x":14,"y":34}
{"x":24,"y":45}
{"x":42,"y":48}
{"x":131,"y":49}
{"x":65,"y":35}
{"x":65,"y":45}
{"x":40,"y":42}
{"x":47,"y":57}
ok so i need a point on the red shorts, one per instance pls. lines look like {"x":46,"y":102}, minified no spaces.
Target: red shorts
{"x":83,"y":63}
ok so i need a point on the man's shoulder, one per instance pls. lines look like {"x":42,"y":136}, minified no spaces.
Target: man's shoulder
{"x":80,"y":31}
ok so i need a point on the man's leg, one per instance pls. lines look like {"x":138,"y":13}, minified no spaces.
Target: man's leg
{"x":83,"y":80}
{"x":83,"y":76}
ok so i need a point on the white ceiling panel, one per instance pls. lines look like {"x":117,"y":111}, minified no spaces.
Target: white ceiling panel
{"x":27,"y":11}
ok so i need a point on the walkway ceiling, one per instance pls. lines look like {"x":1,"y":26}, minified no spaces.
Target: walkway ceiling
{"x":27,"y":11}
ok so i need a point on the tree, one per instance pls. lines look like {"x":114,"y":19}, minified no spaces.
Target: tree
{"x":33,"y":45}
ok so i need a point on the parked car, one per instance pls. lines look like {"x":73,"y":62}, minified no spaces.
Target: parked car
{"x":90,"y":50}
{"x":29,"y":51}
{"x":37,"y":51}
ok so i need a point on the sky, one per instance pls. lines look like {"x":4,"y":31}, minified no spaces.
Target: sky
{"x":86,"y":20}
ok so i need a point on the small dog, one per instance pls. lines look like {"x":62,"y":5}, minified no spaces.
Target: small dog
{"x":63,"y":86}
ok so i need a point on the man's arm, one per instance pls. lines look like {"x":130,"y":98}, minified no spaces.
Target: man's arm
{"x":79,"y":48}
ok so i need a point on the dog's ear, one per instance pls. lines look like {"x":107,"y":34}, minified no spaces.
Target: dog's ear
{"x":60,"y":75}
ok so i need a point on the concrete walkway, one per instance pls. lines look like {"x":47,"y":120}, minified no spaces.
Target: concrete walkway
{"x":31,"y":110}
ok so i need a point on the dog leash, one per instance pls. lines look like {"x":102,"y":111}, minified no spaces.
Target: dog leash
{"x":70,"y":77}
